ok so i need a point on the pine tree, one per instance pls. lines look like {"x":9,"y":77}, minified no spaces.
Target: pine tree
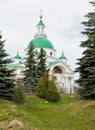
{"x":30,"y":75}
{"x":52,"y":93}
{"x":6,"y":75}
{"x":86,"y":64}
{"x":41,"y":67}
{"x":42,"y":87}
{"x":46,"y":88}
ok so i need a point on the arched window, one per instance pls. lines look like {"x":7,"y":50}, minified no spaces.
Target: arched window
{"x":57,"y":70}
{"x":50,"y":53}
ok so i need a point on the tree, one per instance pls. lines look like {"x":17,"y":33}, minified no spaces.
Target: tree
{"x":46,"y":88}
{"x":42,"y":85}
{"x":86,"y":64}
{"x":41,"y":67}
{"x":30,"y":75}
{"x":19,"y":92}
{"x":52,"y":93}
{"x":6,"y":75}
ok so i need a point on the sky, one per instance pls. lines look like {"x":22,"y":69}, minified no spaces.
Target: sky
{"x":18,"y":20}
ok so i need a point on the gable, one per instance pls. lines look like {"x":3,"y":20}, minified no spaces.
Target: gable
{"x":60,"y":66}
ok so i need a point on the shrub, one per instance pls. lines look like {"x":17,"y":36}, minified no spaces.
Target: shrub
{"x":19,"y":92}
{"x":52,"y":94}
{"x":42,"y":86}
{"x":47,"y":89}
{"x":19,"y":95}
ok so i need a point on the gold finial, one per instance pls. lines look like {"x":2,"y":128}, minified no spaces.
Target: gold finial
{"x":41,"y":14}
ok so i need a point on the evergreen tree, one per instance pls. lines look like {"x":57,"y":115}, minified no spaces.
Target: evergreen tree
{"x":52,"y":93}
{"x":41,"y":67}
{"x":42,"y":87}
{"x":46,"y":88}
{"x":19,"y":91}
{"x":6,"y":75}
{"x":30,"y":75}
{"x":86,"y":64}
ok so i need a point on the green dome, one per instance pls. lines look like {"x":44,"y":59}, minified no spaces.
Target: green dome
{"x":62,"y":57}
{"x":41,"y":41}
{"x":17,"y":57}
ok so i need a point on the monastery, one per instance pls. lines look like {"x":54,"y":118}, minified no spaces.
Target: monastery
{"x":57,"y":66}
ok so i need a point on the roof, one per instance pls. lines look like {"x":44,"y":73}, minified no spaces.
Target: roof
{"x":18,"y":57}
{"x":16,"y":65}
{"x":40,"y":22}
{"x":41,"y":42}
{"x":52,"y":64}
{"x":56,"y":62}
{"x":63,"y":57}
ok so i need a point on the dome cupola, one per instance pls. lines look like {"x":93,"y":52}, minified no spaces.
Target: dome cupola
{"x":63,"y":58}
{"x":40,"y":40}
{"x":40,"y":27}
{"x":17,"y":57}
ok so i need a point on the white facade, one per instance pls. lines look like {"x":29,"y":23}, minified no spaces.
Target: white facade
{"x":64,"y":77}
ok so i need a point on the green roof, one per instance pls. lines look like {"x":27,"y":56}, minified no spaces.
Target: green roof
{"x":17,"y":57}
{"x":15,"y":65}
{"x":53,"y":63}
{"x":41,"y":42}
{"x":40,"y":22}
{"x":62,"y":57}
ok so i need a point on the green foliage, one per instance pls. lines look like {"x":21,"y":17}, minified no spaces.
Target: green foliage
{"x":68,"y":114}
{"x":42,"y":86}
{"x":86,"y":64}
{"x":30,"y":73}
{"x":19,"y":93}
{"x":52,"y":94}
{"x":41,"y":67}
{"x":47,"y":89}
{"x":6,"y":75}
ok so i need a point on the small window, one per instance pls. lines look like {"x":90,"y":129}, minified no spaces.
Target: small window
{"x":50,"y":53}
{"x":20,"y":62}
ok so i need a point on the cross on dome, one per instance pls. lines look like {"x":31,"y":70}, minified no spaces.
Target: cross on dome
{"x":41,"y":16}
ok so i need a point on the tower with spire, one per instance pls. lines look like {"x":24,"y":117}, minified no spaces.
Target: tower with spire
{"x":41,"y":27}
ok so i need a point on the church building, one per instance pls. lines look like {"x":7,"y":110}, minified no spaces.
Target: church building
{"x":57,"y":66}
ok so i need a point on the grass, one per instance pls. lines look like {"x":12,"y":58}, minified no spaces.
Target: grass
{"x":37,"y":114}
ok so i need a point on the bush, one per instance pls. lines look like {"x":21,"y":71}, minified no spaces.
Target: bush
{"x":19,"y":91}
{"x":47,"y":89}
{"x":19,"y":95}
{"x":52,"y":94}
{"x":42,"y":86}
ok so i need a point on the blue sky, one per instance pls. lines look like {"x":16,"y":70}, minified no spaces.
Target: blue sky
{"x":18,"y":20}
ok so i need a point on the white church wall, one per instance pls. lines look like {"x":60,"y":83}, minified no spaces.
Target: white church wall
{"x":51,"y":59}
{"x":49,"y":52}
{"x":64,"y":79}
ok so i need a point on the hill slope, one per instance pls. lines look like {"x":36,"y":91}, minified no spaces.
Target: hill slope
{"x":37,"y":114}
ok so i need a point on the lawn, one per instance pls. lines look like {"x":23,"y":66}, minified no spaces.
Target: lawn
{"x":37,"y":114}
